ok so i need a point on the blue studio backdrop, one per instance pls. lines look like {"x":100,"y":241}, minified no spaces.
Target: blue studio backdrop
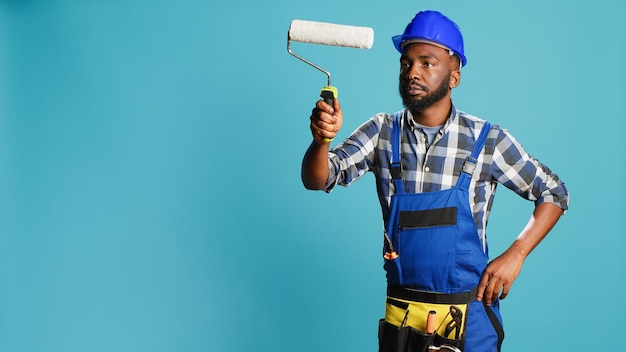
{"x":150,"y":194}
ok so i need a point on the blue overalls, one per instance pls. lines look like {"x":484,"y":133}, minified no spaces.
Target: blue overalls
{"x":434,"y":256}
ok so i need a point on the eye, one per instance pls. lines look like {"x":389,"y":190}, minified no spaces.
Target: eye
{"x":428,"y":64}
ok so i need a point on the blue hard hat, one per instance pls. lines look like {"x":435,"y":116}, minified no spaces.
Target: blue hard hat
{"x":434,"y":28}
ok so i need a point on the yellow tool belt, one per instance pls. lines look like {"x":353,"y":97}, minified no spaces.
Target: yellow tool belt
{"x":407,"y":307}
{"x":435,"y":319}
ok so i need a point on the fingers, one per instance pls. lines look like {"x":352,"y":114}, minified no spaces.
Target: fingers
{"x":491,"y":287}
{"x":326,"y":121}
{"x":499,"y":277}
{"x":482,"y":285}
{"x":505,"y":291}
{"x":335,"y":109}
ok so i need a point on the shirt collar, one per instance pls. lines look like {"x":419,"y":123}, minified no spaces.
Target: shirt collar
{"x":451,"y":119}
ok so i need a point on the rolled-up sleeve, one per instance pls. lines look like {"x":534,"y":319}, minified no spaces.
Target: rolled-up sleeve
{"x":525,"y":175}
{"x":351,"y":159}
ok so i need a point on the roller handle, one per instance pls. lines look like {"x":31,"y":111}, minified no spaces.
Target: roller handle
{"x":329,"y":94}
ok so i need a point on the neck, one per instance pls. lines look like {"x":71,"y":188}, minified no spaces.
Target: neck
{"x":434,"y":115}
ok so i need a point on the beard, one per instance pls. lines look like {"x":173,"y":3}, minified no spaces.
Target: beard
{"x":416,"y":105}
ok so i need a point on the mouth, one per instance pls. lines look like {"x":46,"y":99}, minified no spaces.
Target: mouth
{"x":415,"y":89}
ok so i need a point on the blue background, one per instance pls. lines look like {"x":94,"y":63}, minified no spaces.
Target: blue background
{"x":150,"y":196}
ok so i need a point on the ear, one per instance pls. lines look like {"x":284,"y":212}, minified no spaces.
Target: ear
{"x":455,"y":78}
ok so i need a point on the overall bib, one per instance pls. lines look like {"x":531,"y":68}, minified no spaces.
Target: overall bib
{"x":434,"y":260}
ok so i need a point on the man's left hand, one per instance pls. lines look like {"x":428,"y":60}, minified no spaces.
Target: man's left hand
{"x":499,"y":276}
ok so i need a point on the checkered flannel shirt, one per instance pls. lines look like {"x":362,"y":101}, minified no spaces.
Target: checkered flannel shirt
{"x":434,"y":167}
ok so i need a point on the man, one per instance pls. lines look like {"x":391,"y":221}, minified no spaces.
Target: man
{"x":436,"y":171}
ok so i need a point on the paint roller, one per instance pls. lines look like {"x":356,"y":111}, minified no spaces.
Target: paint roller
{"x":328,"y":34}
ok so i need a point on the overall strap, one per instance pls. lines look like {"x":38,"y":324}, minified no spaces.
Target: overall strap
{"x":396,"y":164}
{"x":470,"y":162}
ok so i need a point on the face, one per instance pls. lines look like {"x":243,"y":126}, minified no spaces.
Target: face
{"x":427,"y":73}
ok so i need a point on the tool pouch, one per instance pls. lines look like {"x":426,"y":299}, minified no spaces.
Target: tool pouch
{"x":392,"y":338}
{"x":404,"y":327}
{"x":404,"y":339}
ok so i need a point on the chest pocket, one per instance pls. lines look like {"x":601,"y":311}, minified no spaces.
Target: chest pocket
{"x":421,"y":219}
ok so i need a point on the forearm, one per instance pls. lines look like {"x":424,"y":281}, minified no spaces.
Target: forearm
{"x":544,"y":217}
{"x":315,"y":166}
{"x":502,"y":271}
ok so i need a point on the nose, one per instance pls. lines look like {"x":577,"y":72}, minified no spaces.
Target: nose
{"x":412,"y":72}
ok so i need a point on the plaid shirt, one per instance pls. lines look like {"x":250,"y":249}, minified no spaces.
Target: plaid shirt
{"x":435,"y":167}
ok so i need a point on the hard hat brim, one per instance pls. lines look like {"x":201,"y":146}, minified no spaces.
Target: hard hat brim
{"x":400,"y":41}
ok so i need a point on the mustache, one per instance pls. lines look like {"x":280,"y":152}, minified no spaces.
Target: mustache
{"x":406,"y":84}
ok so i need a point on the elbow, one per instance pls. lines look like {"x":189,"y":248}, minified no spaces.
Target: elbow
{"x":314,"y":178}
{"x":312,"y":185}
{"x":312,"y":188}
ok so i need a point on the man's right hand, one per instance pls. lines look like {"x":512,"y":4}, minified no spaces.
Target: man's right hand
{"x":326,"y":121}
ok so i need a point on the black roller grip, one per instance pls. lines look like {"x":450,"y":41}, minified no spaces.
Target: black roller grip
{"x":328,"y":96}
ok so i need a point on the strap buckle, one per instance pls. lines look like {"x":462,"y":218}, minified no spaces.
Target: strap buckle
{"x":469,"y":165}
{"x":396,"y":171}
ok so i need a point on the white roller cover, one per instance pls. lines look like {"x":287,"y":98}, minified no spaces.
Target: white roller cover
{"x":331,"y":34}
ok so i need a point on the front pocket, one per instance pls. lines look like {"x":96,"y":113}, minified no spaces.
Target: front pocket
{"x":392,"y":338}
{"x":485,"y":326}
{"x":497,"y":325}
{"x":420,"y":219}
{"x":402,"y":339}
{"x":419,"y":342}
{"x":441,"y":341}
